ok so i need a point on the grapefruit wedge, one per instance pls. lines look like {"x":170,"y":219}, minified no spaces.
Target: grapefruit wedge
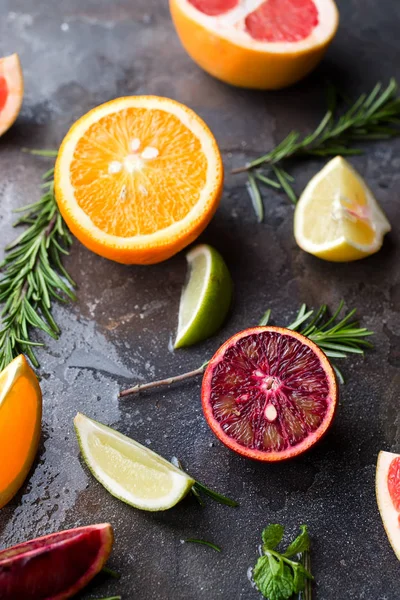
{"x":269,"y":393}
{"x":388,"y":496}
{"x":54,"y":567}
{"x":262,"y":44}
{"x":11,"y":91}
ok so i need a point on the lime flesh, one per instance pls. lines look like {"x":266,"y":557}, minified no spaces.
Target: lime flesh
{"x":129,"y":471}
{"x":205,"y":298}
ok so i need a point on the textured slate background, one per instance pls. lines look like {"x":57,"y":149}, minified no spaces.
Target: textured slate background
{"x":75,"y":55}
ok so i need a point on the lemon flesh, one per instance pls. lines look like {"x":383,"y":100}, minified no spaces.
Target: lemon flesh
{"x":129,"y":471}
{"x":205,"y":298}
{"x":337,"y":217}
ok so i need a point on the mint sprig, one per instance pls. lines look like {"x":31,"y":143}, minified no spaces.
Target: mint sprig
{"x":276,"y":576}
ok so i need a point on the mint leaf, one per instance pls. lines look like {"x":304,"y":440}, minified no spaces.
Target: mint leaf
{"x":273,"y":579}
{"x":299,"y":581}
{"x":300,"y":544}
{"x":272,"y":536}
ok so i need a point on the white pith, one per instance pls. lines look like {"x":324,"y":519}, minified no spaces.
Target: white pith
{"x":191,"y":256}
{"x":389,"y":514}
{"x":231,"y":25}
{"x":10,"y":69}
{"x":188,"y":118}
{"x":180,"y":481}
{"x":374,"y":214}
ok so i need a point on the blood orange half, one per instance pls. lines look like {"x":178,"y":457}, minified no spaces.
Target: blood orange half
{"x":11,"y":91}
{"x":262,"y":44}
{"x":56,"y":566}
{"x":269,"y":393}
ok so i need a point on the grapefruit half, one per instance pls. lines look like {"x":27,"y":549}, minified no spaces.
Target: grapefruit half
{"x":261,"y":44}
{"x":388,"y":496}
{"x":269,"y":393}
{"x":11,"y":91}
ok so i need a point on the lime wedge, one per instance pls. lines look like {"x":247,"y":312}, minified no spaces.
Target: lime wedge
{"x":206,"y":296}
{"x":129,"y":471}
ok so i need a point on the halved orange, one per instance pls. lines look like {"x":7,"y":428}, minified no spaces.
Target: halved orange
{"x":20,"y":425}
{"x":262,"y":44}
{"x":138,"y":178}
{"x":11,"y":91}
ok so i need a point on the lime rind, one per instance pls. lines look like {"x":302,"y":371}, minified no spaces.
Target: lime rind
{"x":206,"y":296}
{"x":129,"y":471}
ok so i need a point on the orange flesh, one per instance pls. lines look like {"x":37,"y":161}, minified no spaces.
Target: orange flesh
{"x":145,"y":195}
{"x":18,"y":423}
{"x":3,"y":92}
{"x":394,"y":483}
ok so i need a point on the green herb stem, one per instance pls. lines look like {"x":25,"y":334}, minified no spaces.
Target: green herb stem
{"x":33,"y":276}
{"x":204,"y":543}
{"x":373,"y":116}
{"x":199,"y":487}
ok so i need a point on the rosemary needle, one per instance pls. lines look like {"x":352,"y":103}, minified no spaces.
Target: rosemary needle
{"x":33,"y":276}
{"x":203,"y":543}
{"x":373,"y":116}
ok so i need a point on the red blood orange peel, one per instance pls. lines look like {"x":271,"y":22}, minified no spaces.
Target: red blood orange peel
{"x":388,"y":496}
{"x":269,"y":393}
{"x":54,"y":567}
{"x":263,"y":44}
{"x":11,"y":91}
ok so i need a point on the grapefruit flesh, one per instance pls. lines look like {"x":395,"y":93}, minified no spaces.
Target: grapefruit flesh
{"x":214,"y":8}
{"x":11,"y":91}
{"x":262,"y":44}
{"x":388,"y":496}
{"x":282,"y":20}
{"x":269,"y":393}
{"x":54,"y":567}
{"x":394,"y":483}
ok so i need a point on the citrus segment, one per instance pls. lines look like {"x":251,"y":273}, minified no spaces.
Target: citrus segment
{"x":129,"y":471}
{"x":282,"y":20}
{"x":20,"y":425}
{"x":11,"y":91}
{"x":138,"y":178}
{"x":394,"y":483}
{"x":388,"y":496}
{"x":269,"y":393}
{"x":267,"y":44}
{"x":337,"y":217}
{"x":57,"y":566}
{"x":206,"y":297}
{"x":214,"y":7}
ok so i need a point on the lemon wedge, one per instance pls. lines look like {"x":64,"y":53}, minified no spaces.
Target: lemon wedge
{"x":337,"y":218}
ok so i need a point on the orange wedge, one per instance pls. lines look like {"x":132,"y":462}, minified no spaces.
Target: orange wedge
{"x":261,"y":44}
{"x":138,"y":178}
{"x":11,"y":91}
{"x":20,"y":425}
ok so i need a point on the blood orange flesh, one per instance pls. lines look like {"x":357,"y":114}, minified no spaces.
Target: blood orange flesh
{"x":394,"y":483}
{"x":269,"y":393}
{"x":213,"y":8}
{"x":56,"y":566}
{"x":3,"y":92}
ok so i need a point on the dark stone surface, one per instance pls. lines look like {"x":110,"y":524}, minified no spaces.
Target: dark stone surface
{"x":77,"y":54}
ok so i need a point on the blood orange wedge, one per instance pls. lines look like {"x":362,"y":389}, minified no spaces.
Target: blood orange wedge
{"x":20,"y":425}
{"x":269,"y":393}
{"x":388,"y":496}
{"x":262,"y":44}
{"x":56,"y":566}
{"x":138,"y":179}
{"x":11,"y":91}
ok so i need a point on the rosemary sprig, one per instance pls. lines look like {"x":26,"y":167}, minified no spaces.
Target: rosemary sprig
{"x":373,"y":116}
{"x":203,"y":543}
{"x":337,"y":337}
{"x":33,"y":276}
